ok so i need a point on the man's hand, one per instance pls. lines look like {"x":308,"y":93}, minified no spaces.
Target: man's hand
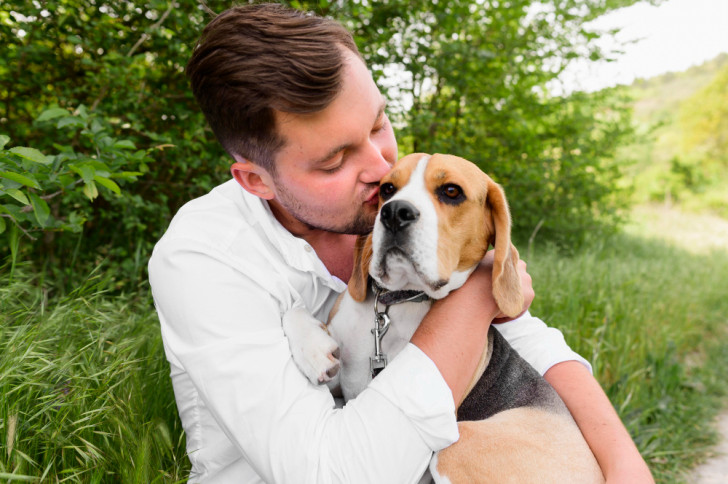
{"x":479,"y":285}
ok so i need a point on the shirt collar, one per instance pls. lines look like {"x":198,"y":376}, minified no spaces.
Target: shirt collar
{"x":295,"y":251}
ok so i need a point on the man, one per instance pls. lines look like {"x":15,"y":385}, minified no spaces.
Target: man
{"x":292,"y":102}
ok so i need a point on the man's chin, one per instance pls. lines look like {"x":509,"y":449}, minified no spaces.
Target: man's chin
{"x":362,"y":225}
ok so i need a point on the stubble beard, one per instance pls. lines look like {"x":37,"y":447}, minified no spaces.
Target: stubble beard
{"x":360,"y":224}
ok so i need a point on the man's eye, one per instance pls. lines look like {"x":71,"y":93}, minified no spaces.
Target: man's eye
{"x":451,"y":194}
{"x":333,"y":166}
{"x":333,"y":169}
{"x":381,"y":124}
{"x":387,"y":190}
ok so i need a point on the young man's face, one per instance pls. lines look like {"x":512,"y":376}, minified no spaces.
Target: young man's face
{"x":328,"y":171}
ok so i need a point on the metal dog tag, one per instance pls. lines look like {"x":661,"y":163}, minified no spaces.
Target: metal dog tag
{"x":377,"y":364}
{"x":379,"y":361}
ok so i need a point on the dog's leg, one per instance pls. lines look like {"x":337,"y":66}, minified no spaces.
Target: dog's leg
{"x":314,"y":351}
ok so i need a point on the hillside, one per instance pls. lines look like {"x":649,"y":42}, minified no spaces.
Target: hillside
{"x":658,"y":96}
{"x":658,"y":165}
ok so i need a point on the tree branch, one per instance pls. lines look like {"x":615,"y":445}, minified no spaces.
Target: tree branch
{"x":6,"y":215}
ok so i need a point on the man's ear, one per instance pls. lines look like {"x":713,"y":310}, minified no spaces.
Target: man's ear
{"x":253,"y":178}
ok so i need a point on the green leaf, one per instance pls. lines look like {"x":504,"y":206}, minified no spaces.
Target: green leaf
{"x":31,"y":154}
{"x":27,"y":180}
{"x":124,"y":144}
{"x":52,"y":113}
{"x":4,"y":140}
{"x":97,"y":165}
{"x":127,"y":175}
{"x":18,"y":195}
{"x":75,"y":222}
{"x":40,"y":208}
{"x":2,"y":225}
{"x":90,"y":190}
{"x":110,"y":184}
{"x":96,"y":126}
{"x":70,"y":121}
{"x":86,"y":171}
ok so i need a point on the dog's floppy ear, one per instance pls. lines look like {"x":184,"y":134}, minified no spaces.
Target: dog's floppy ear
{"x":358,"y":284}
{"x":506,"y":280}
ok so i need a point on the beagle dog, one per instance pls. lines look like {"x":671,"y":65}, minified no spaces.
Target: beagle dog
{"x":438,"y":216}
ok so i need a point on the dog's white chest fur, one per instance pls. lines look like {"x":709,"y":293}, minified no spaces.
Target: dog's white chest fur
{"x":352,"y":328}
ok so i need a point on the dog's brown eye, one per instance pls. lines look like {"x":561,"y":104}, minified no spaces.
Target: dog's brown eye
{"x":451,"y":194}
{"x":451,"y":191}
{"x":387,"y":190}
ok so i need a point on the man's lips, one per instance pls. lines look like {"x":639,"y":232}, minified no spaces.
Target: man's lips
{"x":374,"y":197}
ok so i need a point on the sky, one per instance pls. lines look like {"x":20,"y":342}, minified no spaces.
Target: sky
{"x":672,"y":37}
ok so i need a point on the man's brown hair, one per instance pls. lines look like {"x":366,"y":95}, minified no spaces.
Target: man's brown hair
{"x":253,"y":60}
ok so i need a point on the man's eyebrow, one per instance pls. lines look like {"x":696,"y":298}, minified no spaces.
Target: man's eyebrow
{"x":344,"y":146}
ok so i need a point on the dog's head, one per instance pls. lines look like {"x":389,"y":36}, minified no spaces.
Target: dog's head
{"x":437,"y":217}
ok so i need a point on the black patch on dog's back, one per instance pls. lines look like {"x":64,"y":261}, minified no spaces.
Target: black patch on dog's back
{"x":508,"y":382}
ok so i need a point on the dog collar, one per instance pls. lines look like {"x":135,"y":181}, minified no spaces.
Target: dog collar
{"x":389,"y":298}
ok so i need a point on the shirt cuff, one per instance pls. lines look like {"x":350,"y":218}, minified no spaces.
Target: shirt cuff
{"x":539,"y":344}
{"x":414,"y":384}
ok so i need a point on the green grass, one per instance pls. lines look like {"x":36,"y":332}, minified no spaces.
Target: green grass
{"x":652,"y":317}
{"x":85,"y":394}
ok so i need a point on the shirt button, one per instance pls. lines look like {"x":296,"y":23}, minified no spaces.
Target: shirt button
{"x":308,"y":248}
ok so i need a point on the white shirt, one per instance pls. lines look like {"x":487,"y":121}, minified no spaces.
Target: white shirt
{"x":222,"y":277}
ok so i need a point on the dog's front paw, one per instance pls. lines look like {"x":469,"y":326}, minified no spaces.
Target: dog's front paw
{"x":318,"y":356}
{"x":315,"y":352}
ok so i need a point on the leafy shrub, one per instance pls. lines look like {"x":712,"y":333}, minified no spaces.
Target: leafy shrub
{"x":33,"y":186}
{"x":472,"y":81}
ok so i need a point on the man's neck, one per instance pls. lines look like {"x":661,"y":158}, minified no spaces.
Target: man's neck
{"x":335,"y":250}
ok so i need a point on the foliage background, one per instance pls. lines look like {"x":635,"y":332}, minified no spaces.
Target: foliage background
{"x":98,"y":89}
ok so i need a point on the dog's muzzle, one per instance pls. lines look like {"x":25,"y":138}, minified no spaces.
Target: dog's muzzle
{"x":398,"y":214}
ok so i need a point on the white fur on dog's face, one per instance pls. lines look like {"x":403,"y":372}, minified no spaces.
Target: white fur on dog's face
{"x":412,"y":260}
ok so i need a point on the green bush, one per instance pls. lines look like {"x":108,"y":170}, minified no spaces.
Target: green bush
{"x":40,"y":193}
{"x":471,"y":80}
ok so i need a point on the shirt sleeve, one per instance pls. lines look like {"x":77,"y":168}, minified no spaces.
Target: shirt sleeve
{"x":539,"y":344}
{"x":225,"y":332}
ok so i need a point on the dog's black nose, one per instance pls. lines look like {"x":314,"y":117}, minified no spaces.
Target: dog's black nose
{"x":398,"y":214}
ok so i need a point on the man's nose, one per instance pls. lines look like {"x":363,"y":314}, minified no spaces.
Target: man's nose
{"x":397,"y":215}
{"x":376,"y":166}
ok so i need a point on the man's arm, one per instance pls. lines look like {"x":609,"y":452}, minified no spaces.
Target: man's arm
{"x":223,"y":331}
{"x":455,"y":330}
{"x":599,"y":423}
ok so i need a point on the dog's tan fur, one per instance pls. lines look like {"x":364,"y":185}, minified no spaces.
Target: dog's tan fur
{"x":465,"y":230}
{"x":513,"y":437}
